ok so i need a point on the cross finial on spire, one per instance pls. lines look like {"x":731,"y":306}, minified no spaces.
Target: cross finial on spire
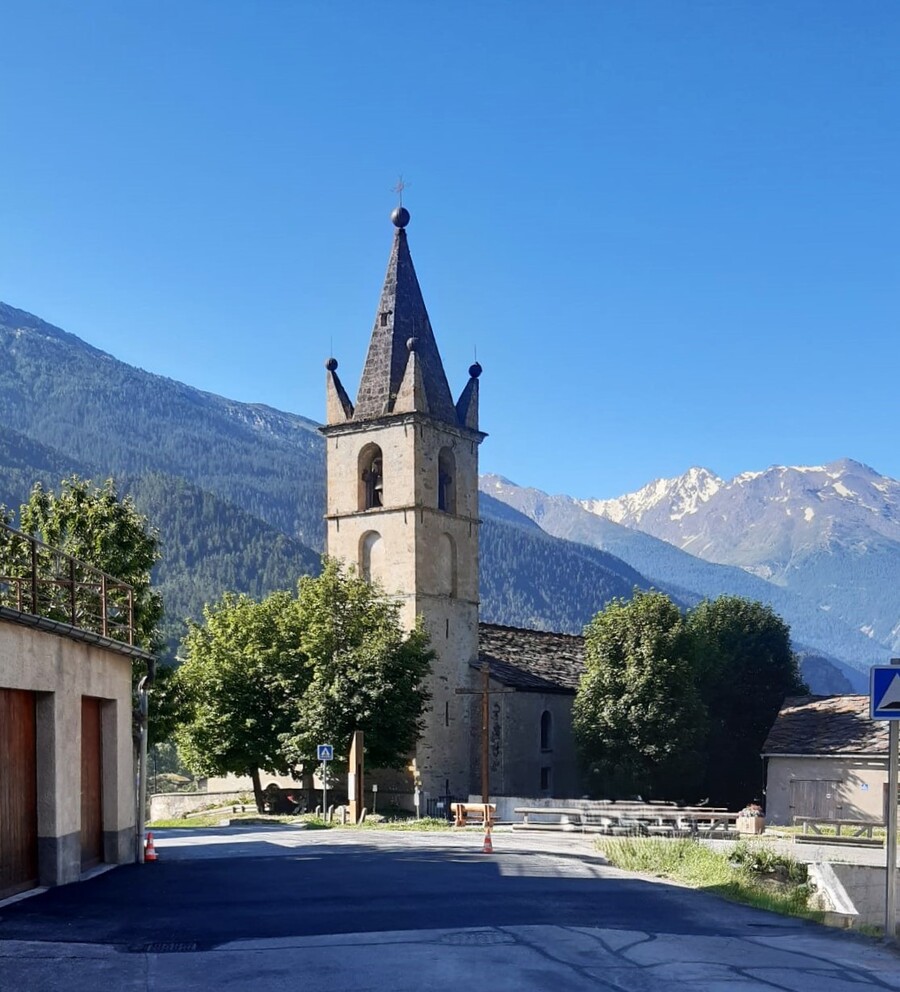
{"x":399,"y":188}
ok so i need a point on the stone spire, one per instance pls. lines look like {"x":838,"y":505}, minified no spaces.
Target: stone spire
{"x":402,"y":335}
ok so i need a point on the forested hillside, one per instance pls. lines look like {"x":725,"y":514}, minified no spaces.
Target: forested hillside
{"x":530,"y":579}
{"x":210,"y":546}
{"x":236,"y":491}
{"x":123,"y":421}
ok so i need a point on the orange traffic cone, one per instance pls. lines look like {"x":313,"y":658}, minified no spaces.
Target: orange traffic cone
{"x":487,"y":847}
{"x":149,"y":849}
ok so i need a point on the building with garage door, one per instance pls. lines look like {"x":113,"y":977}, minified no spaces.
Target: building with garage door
{"x":826,"y":758}
{"x":67,"y":774}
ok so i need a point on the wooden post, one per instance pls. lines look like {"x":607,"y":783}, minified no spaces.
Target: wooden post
{"x":355,"y":777}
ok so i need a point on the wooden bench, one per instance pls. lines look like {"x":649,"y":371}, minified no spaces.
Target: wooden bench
{"x":482,"y":813}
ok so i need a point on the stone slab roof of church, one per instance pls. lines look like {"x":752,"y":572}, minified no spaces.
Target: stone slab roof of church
{"x":401,"y":326}
{"x":826,"y":725}
{"x":531,"y":660}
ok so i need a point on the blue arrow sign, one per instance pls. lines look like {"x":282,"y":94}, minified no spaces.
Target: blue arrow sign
{"x":884,"y":693}
{"x":325,"y":752}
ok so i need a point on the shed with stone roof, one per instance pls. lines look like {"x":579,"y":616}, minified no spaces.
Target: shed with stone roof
{"x":825,"y":757}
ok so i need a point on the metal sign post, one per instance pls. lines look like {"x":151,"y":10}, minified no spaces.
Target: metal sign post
{"x":890,"y":897}
{"x":325,"y":753}
{"x":884,"y":696}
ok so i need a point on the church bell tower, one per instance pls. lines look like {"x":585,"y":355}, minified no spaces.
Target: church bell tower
{"x":402,"y":501}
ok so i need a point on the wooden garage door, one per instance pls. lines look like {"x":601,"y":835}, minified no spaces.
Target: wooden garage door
{"x":91,"y":783}
{"x":815,"y":797}
{"x":18,"y":792}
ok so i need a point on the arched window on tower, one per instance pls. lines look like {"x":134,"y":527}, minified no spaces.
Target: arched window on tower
{"x":546,"y":731}
{"x":446,"y":481}
{"x":371,"y":478}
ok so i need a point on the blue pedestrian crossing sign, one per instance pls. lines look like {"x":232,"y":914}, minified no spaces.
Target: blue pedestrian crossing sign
{"x":884,"y":692}
{"x":325,"y":752}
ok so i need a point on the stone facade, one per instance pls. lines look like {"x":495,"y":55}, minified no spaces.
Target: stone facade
{"x":402,"y":504}
{"x":424,"y":556}
{"x":402,"y":507}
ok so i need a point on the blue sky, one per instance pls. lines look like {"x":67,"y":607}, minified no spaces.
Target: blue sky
{"x":669,"y":228}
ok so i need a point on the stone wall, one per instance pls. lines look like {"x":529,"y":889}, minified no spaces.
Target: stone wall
{"x":517,"y":758}
{"x":172,"y":805}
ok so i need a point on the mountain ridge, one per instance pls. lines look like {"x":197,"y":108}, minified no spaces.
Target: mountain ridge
{"x":829,"y":533}
{"x":66,"y":407}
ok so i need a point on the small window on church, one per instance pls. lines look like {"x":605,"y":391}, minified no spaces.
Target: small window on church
{"x":546,"y":731}
{"x":546,"y":779}
{"x":446,"y":481}
{"x":371,"y":478}
{"x":384,"y":317}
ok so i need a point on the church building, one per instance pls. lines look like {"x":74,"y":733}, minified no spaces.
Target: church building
{"x":402,"y":506}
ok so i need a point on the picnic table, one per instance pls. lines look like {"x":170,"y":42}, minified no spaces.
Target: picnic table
{"x":639,"y":819}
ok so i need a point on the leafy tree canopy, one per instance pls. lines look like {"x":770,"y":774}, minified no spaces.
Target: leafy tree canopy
{"x":745,"y":667}
{"x":263,"y":683}
{"x":242,"y":667}
{"x":679,"y":706}
{"x":638,"y":718}
{"x":94,"y":524}
{"x":366,"y":672}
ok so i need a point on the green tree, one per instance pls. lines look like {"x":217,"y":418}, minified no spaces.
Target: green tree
{"x":263,"y":683}
{"x":638,"y":718}
{"x":243,"y":668}
{"x":94,"y":524}
{"x":744,"y":668}
{"x":366,"y":672}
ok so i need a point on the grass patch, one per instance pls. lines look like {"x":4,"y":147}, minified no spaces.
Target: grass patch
{"x":310,"y":821}
{"x":427,"y":824}
{"x":827,"y":830}
{"x":208,"y":820}
{"x":750,"y":875}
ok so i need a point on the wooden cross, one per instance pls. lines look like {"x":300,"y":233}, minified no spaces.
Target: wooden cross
{"x":485,"y":692}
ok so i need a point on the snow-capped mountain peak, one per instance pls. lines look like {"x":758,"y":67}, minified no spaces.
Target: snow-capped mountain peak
{"x":674,"y":498}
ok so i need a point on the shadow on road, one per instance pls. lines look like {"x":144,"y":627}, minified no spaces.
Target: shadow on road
{"x":346,"y":888}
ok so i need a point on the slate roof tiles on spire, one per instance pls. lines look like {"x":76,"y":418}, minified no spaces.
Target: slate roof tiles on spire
{"x":401,"y":319}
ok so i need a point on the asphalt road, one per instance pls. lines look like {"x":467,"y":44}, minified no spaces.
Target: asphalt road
{"x":279,"y":908}
{"x":235,"y":885}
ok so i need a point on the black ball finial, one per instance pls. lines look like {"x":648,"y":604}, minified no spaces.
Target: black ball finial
{"x":400,"y":217}
{"x":411,"y":344}
{"x":475,"y":370}
{"x":331,"y":364}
